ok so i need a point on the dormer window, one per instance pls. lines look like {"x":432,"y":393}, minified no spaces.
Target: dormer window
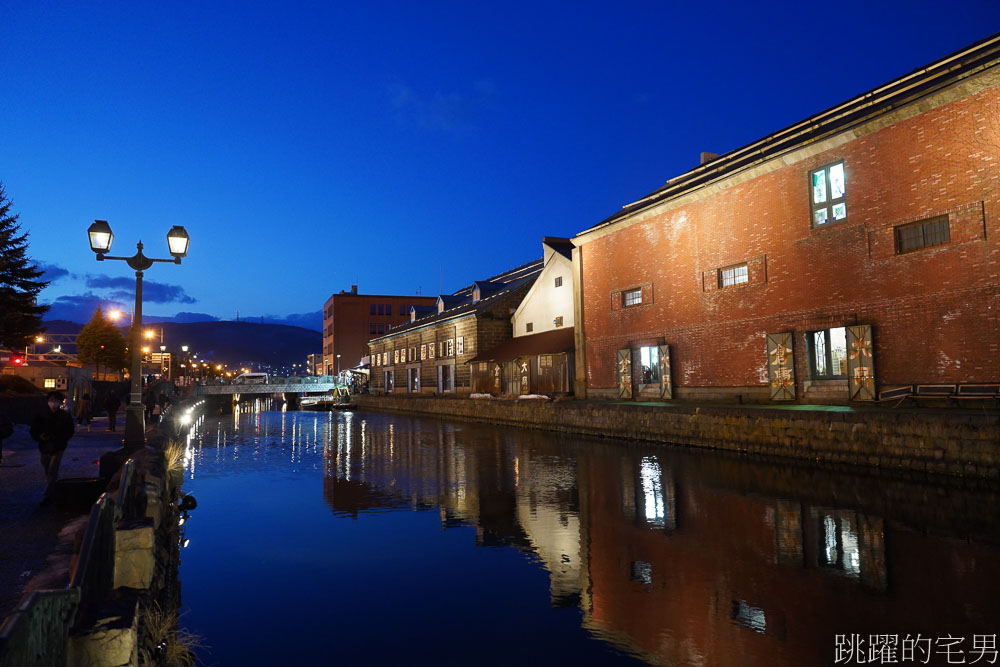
{"x":476,"y":294}
{"x":440,"y":305}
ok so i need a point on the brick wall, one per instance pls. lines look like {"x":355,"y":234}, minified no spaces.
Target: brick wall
{"x":934,"y":312}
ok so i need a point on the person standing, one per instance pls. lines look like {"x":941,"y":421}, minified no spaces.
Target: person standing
{"x":52,"y":429}
{"x":111,"y":404}
{"x":6,"y":430}
{"x":83,"y":410}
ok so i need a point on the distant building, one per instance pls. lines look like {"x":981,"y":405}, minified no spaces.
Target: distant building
{"x":73,"y":381}
{"x":314,"y":363}
{"x":350,"y":320}
{"x":851,"y":252}
{"x":430,"y":353}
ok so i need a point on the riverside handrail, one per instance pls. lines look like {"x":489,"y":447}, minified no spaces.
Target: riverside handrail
{"x":27,"y":636}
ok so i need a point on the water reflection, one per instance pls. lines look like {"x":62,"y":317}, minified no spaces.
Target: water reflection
{"x":667,"y":556}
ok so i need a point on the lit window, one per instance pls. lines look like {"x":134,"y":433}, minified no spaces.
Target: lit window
{"x":923,"y":234}
{"x":827,"y":194}
{"x":395,"y":356}
{"x":49,"y":383}
{"x":733,"y":275}
{"x":827,"y":353}
{"x":431,"y":349}
{"x":649,"y":358}
{"x":632,"y":297}
{"x":558,"y":281}
{"x":529,"y":327}
{"x":423,"y":351}
{"x":461,"y":344}
{"x":451,"y":347}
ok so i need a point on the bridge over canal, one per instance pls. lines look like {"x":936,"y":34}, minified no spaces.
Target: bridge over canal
{"x":275,"y":385}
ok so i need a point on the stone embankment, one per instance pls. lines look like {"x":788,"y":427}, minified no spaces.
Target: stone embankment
{"x":942,"y":441}
{"x":110,"y":594}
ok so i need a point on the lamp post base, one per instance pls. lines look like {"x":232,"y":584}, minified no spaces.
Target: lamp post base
{"x":135,"y":426}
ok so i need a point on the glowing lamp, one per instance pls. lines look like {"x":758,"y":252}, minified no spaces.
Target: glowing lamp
{"x":100,"y":236}
{"x":177,"y":241}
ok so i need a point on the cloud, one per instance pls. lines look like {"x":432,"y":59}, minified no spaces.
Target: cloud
{"x":81,"y":307}
{"x":448,"y":111}
{"x":52,"y":272}
{"x":152,"y":291}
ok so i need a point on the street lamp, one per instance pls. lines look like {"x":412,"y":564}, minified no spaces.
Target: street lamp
{"x":101,"y":237}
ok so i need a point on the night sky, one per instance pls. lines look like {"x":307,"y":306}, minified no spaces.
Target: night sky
{"x":400,"y":146}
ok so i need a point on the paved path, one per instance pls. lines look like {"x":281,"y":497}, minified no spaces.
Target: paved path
{"x":28,"y":530}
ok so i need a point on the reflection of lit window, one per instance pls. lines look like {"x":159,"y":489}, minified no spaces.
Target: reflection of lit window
{"x":749,"y":617}
{"x":642,"y":572}
{"x":652,"y":490}
{"x":838,"y":544}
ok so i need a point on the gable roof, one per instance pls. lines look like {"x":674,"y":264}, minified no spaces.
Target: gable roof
{"x":919,"y":83}
{"x":460,"y":303}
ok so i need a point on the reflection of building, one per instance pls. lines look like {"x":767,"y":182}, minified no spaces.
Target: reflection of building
{"x":852,"y":243}
{"x":350,"y":320}
{"x":746,"y":579}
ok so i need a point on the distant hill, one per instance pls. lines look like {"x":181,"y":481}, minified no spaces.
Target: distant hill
{"x":228,"y":342}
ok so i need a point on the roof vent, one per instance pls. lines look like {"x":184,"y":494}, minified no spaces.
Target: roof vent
{"x":707,"y":157}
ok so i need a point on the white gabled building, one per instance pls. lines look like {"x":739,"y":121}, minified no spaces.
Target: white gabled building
{"x":548,"y":304}
{"x":539,"y":358}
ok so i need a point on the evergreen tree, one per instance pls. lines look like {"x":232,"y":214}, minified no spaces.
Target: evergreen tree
{"x":100,"y":342}
{"x":19,"y":282}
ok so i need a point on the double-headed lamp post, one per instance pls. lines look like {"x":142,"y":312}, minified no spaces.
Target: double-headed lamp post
{"x":100,"y":242}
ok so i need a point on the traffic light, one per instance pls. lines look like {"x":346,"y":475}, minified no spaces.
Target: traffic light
{"x":18,"y":361}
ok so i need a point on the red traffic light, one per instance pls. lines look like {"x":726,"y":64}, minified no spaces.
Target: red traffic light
{"x":18,"y":361}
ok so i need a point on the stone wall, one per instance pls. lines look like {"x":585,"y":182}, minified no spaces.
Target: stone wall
{"x":933,"y":442}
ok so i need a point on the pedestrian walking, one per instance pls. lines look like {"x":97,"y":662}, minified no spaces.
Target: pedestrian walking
{"x":6,"y":430}
{"x":52,"y":429}
{"x":111,"y":404}
{"x":83,"y":411}
{"x":150,"y":403}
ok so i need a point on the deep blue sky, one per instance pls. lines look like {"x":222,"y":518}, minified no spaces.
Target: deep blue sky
{"x":309,"y":146}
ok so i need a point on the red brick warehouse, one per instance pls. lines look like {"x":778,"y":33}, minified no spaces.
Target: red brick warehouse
{"x":851,"y":252}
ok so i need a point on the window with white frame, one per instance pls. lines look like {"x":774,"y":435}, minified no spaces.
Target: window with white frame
{"x":827,"y":353}
{"x":734,"y":275}
{"x":828,"y":191}
{"x":461,"y":345}
{"x":632,"y":297}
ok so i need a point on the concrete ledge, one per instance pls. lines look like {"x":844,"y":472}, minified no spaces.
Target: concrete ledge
{"x":948,"y":442}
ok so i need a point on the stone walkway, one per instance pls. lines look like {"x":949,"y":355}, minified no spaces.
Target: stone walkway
{"x":28,"y":530}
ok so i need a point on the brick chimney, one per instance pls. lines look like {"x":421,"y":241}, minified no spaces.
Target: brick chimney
{"x":354,"y":289}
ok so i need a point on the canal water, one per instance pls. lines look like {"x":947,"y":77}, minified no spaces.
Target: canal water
{"x":368,"y":538}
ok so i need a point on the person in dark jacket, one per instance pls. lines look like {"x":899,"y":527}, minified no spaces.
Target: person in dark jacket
{"x":111,"y":404}
{"x":6,"y":430}
{"x":52,"y":429}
